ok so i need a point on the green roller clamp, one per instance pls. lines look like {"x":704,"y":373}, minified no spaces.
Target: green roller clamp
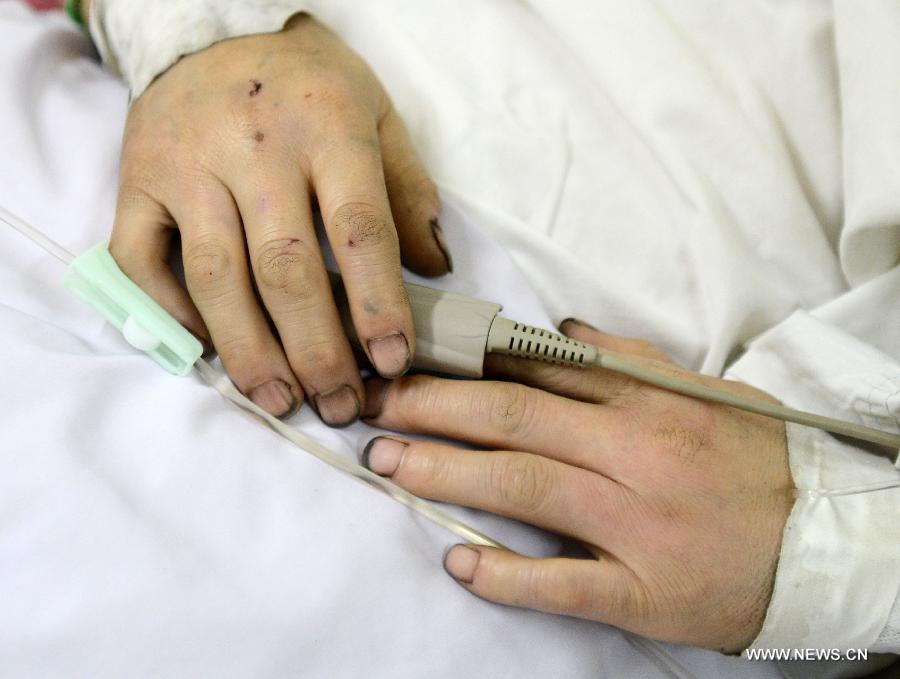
{"x":97,"y":279}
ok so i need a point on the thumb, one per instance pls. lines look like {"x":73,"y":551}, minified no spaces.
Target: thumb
{"x":414,"y":201}
{"x":581,"y":331}
{"x":592,"y":385}
{"x":584,"y":588}
{"x":140,"y":244}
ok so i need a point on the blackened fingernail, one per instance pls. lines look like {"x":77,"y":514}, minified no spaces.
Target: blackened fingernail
{"x":577,"y":321}
{"x":274,"y":397}
{"x":441,"y":243}
{"x":376,"y":390}
{"x":390,"y":354}
{"x":206,"y":343}
{"x":461,"y":561}
{"x":383,"y":455}
{"x":338,"y":407}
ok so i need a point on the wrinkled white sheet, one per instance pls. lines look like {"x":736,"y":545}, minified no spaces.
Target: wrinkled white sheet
{"x":149,"y":529}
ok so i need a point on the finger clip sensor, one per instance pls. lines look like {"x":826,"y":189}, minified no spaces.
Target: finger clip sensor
{"x":97,"y":279}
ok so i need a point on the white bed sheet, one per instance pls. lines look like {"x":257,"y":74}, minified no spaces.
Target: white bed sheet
{"x":147,"y":528}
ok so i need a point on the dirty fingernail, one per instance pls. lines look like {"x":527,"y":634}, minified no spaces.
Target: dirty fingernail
{"x":390,"y":354}
{"x":383,"y":455}
{"x":376,"y":390}
{"x":577,"y":321}
{"x":206,"y":343}
{"x":438,"y":233}
{"x":461,"y":562}
{"x":274,"y":397}
{"x":339,"y":407}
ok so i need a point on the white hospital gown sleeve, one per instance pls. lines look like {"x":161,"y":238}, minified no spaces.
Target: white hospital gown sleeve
{"x":838,"y":576}
{"x":837,"y":580}
{"x":139,"y":40}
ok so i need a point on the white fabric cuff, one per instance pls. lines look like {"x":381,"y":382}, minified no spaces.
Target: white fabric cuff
{"x":837,"y":579}
{"x":139,"y":40}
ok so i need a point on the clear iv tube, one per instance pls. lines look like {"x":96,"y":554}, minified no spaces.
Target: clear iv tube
{"x":37,"y":237}
{"x":221,"y":383}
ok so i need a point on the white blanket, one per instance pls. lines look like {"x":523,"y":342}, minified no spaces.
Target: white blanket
{"x":150,"y":529}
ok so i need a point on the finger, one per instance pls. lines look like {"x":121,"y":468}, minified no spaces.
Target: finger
{"x":591,"y":384}
{"x":349,"y":183}
{"x":414,"y":201}
{"x":215,"y":266}
{"x":601,"y":590}
{"x":588,"y":385}
{"x":521,"y":486}
{"x":140,"y":244}
{"x":498,"y":415}
{"x":290,"y":275}
{"x":581,"y":331}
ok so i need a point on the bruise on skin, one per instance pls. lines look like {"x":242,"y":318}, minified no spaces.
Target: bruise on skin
{"x":256,"y":87}
{"x":371,"y":308}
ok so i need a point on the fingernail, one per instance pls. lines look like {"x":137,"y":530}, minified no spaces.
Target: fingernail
{"x":274,"y":397}
{"x":376,"y":390}
{"x":577,"y":321}
{"x":339,"y":407}
{"x":207,"y":345}
{"x":390,"y":354}
{"x":441,"y":243}
{"x":461,"y":562}
{"x":382,"y":455}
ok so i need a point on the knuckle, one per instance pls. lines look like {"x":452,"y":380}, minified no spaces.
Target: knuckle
{"x":577,"y":596}
{"x":282,"y":265}
{"x":511,"y":409}
{"x":239,"y":351}
{"x":418,"y":396}
{"x":684,"y":437}
{"x":425,"y":469}
{"x":208,"y":265}
{"x":522,"y":481}
{"x":682,"y":442}
{"x":319,"y":358}
{"x":361,"y":224}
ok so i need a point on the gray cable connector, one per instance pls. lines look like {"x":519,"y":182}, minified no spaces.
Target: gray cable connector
{"x":454,"y":332}
{"x":451,"y":329}
{"x":517,"y":339}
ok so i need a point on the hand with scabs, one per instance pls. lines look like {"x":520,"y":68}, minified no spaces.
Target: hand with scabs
{"x":233,"y":148}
